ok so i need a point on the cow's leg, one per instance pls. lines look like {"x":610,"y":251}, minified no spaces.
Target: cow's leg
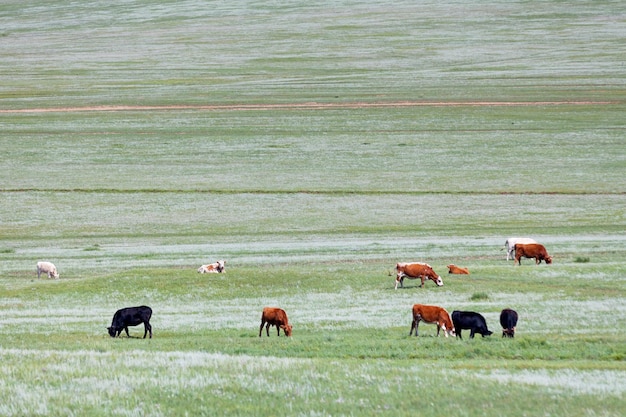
{"x":146,"y":327}
{"x":126,"y":330}
{"x":458,"y":333}
{"x":422,"y":278}
{"x":261,"y":328}
{"x":277,"y":330}
{"x":267,"y":329}
{"x":472,"y":332}
{"x":413,"y":326}
{"x":438,"y":329}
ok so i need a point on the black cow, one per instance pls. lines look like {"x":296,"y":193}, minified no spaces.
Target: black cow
{"x":470,"y":320}
{"x":508,"y":321}
{"x":131,"y":316}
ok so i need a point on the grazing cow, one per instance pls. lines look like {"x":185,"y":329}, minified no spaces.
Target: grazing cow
{"x":47,"y":268}
{"x":274,"y":316}
{"x":432,"y":314}
{"x":214,"y":268}
{"x":469,"y":320}
{"x":531,"y":250}
{"x":131,"y":316}
{"x":508,"y":321}
{"x":509,"y":245}
{"x":416,"y":270}
{"x":453,"y":269}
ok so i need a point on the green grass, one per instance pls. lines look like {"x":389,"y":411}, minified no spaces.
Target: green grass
{"x":405,"y":132}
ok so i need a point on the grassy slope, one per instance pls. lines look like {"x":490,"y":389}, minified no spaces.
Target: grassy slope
{"x":129,"y":203}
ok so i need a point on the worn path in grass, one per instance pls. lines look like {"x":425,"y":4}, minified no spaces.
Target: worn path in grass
{"x":312,"y":106}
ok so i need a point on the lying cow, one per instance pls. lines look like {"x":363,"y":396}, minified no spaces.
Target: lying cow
{"x":214,"y":268}
{"x":453,"y":269}
{"x":508,"y":321}
{"x":531,"y":250}
{"x":47,"y":268}
{"x":274,"y":316}
{"x":131,"y":316}
{"x":469,"y":320}
{"x":509,"y":245}
{"x":432,"y":314}
{"x":416,"y":270}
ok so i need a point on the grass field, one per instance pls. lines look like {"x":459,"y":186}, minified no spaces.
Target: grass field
{"x":312,"y":146}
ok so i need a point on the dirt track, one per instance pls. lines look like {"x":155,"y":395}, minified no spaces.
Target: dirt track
{"x":309,"y":106}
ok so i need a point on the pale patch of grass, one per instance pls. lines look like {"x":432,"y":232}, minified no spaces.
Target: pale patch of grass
{"x":564,"y":381}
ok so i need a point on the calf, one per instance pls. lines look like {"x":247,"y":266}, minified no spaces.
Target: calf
{"x":432,"y":314}
{"x":508,"y":321}
{"x":416,"y":270}
{"x":531,"y":250}
{"x":131,"y":316}
{"x":214,"y":268}
{"x":453,"y":269}
{"x":469,"y":320}
{"x":47,"y":268}
{"x":274,"y":316}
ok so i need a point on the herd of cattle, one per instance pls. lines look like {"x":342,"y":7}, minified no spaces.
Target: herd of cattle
{"x":516,"y":248}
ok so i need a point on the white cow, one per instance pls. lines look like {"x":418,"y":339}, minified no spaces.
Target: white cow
{"x":510,"y":243}
{"x":47,"y":268}
{"x":214,"y":268}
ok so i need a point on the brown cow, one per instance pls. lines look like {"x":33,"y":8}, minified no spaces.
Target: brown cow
{"x":453,"y":269}
{"x":432,"y":314}
{"x":531,"y":250}
{"x":274,"y":316}
{"x":416,"y":270}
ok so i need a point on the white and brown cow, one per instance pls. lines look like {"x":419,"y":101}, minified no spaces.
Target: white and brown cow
{"x":531,"y":250}
{"x":214,"y":268}
{"x":509,"y":245}
{"x":416,"y":270}
{"x":47,"y":268}
{"x":434,"y":315}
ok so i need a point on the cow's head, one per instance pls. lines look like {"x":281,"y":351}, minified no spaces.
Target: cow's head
{"x":438,"y":281}
{"x":55,"y":274}
{"x":287,"y":328}
{"x":508,"y":332}
{"x":112,"y":331}
{"x":449,"y":331}
{"x":548,"y":259}
{"x":220,"y":266}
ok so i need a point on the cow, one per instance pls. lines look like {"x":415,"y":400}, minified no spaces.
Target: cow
{"x":469,"y":320}
{"x":508,"y":321}
{"x":509,"y":245}
{"x":416,"y":270}
{"x":47,"y":268}
{"x":453,"y":269}
{"x":274,"y":316}
{"x":131,"y":316}
{"x":432,"y":314}
{"x":531,"y":250}
{"x":214,"y":268}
